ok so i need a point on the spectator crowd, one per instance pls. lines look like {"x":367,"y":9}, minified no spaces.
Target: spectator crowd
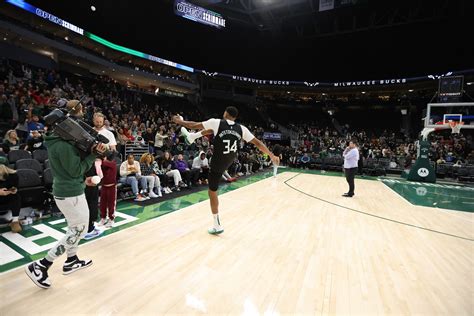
{"x":400,"y":150}
{"x":135,"y":119}
{"x":131,"y":118}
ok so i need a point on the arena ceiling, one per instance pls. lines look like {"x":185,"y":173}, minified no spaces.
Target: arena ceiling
{"x":290,"y":39}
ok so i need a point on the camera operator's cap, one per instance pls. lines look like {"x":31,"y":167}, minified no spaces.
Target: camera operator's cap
{"x":3,"y":161}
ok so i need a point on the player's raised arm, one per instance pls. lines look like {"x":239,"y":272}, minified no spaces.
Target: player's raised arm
{"x":178,"y":119}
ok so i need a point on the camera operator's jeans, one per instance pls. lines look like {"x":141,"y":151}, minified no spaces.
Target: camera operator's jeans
{"x":76,"y":212}
{"x":133,"y":181}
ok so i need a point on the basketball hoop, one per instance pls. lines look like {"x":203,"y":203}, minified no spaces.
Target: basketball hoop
{"x":455,"y":126}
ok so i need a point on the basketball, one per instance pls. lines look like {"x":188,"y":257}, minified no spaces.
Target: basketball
{"x":95,"y":179}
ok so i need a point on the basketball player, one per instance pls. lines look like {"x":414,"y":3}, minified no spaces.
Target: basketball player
{"x":227,"y":136}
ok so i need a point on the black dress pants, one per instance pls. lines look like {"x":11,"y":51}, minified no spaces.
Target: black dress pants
{"x":350,"y":175}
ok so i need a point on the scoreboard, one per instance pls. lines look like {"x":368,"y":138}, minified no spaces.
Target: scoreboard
{"x":450,"y":88}
{"x":198,"y":14}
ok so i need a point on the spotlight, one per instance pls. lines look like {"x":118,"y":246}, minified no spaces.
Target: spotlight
{"x":93,"y":8}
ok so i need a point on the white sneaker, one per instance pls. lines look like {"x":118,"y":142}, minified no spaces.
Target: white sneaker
{"x":140,"y":198}
{"x":93,"y":234}
{"x":159,"y":192}
{"x":38,"y":274}
{"x":216,"y":230}
{"x":110,"y":223}
{"x":103,"y":221}
{"x":152,"y":195}
{"x":167,"y":190}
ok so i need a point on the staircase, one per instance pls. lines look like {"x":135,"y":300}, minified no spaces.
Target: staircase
{"x":337,"y":126}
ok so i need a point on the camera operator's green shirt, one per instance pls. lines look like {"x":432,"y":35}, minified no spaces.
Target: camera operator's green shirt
{"x":67,"y":167}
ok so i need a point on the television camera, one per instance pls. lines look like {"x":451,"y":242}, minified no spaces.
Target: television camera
{"x":74,"y":130}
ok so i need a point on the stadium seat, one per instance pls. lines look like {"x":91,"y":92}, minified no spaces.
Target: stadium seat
{"x":441,"y":170}
{"x":30,"y":188}
{"x":29,"y":164}
{"x":465,"y":174}
{"x":41,"y":155}
{"x":48,"y":179}
{"x":471,"y":174}
{"x":15,"y":155}
{"x":384,"y":162}
{"x":317,"y":162}
{"x":374,"y":168}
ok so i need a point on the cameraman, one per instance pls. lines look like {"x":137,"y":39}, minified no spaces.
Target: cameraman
{"x":68,"y":189}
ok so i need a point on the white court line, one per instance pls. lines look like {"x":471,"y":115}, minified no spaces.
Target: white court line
{"x":145,"y":222}
{"x":447,"y":211}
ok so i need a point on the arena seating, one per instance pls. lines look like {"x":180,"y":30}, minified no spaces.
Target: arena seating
{"x":15,"y":155}
{"x":31,"y":164}
{"x":30,"y":188}
{"x":383,"y":153}
{"x":41,"y":155}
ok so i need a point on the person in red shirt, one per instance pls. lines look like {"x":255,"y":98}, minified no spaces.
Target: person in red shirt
{"x":108,"y":191}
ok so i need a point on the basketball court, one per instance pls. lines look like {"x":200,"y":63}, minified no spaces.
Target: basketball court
{"x":292,"y":245}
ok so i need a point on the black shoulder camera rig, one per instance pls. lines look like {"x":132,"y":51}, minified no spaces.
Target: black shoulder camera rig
{"x":72,"y":129}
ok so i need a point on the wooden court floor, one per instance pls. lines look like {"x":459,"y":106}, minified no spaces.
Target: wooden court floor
{"x":292,"y":246}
